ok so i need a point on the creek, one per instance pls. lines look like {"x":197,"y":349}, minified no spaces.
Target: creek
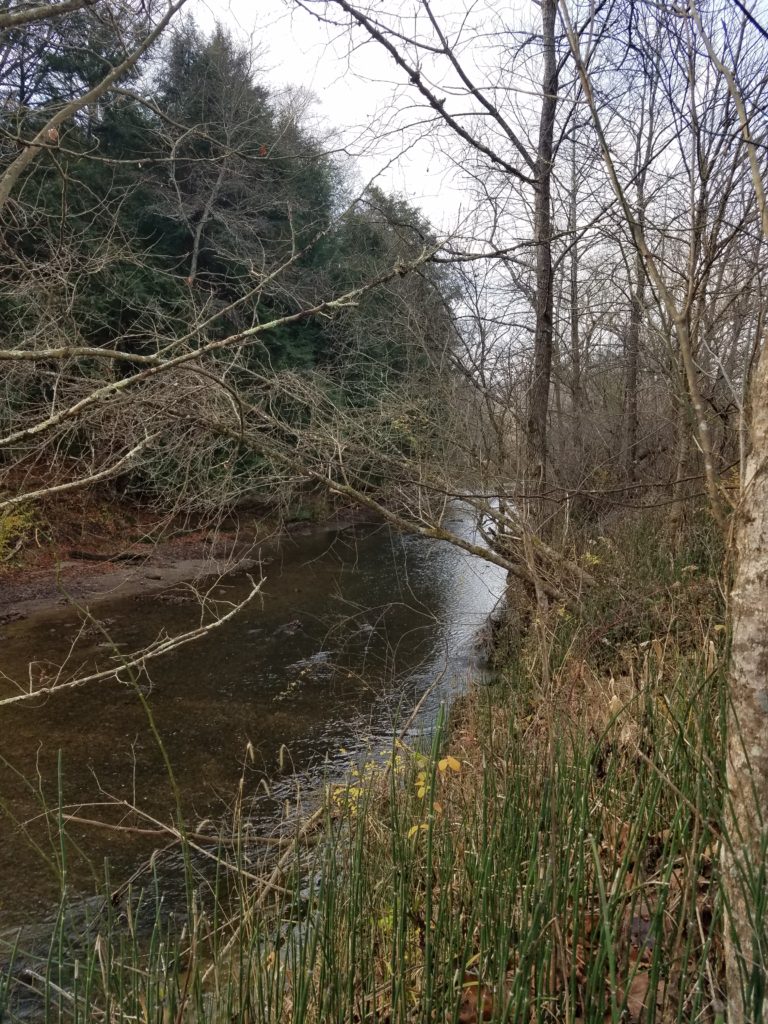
{"x":351,"y":627}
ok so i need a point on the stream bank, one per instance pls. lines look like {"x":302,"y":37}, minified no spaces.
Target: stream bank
{"x":100,"y":551}
{"x":553,"y":856}
{"x":352,"y":627}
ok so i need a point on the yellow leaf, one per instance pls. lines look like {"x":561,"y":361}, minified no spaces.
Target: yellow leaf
{"x":414,"y":829}
{"x":449,"y":762}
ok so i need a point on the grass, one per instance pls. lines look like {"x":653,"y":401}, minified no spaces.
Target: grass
{"x":551,"y":854}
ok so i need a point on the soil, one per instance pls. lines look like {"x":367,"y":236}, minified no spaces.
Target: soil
{"x":90,"y":550}
{"x":28,"y":590}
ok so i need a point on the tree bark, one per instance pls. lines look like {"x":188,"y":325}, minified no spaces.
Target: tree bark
{"x":538,"y":398}
{"x":745,"y":859}
{"x":26,"y":15}
{"x":576,"y":390}
{"x":632,"y":354}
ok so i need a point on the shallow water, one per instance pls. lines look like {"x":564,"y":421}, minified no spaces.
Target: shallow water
{"x":351,"y":627}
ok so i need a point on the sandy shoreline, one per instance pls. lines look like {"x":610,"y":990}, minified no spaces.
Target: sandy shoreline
{"x":72,"y":585}
{"x":95,"y":577}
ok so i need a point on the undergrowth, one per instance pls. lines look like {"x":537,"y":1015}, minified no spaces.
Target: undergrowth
{"x":16,"y":527}
{"x":551,"y":854}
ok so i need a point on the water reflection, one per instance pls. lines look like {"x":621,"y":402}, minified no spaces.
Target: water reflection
{"x":351,"y":629}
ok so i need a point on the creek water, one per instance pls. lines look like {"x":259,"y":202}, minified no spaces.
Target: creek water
{"x":350,"y":628}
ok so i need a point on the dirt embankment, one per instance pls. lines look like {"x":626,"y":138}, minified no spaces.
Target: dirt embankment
{"x":88,"y":546}
{"x":85,"y":575}
{"x":91,"y":548}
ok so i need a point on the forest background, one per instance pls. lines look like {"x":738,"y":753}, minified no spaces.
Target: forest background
{"x":204,"y":310}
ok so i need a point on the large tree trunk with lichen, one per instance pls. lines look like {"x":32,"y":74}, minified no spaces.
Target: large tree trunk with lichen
{"x":745,"y":850}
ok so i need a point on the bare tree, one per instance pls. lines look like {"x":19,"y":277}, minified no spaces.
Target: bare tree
{"x":746,"y":849}
{"x":538,"y":402}
{"x":495,"y":146}
{"x":703,"y":310}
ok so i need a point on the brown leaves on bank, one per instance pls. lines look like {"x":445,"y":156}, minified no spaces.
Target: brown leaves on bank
{"x":640,"y":938}
{"x":660,"y":921}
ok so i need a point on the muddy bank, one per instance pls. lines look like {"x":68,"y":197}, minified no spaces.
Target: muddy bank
{"x":103,"y":569}
{"x":80,"y":580}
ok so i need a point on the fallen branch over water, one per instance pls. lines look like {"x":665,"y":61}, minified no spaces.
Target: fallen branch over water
{"x":136,"y":660}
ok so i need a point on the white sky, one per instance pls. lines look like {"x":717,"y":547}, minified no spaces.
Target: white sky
{"x":354,"y":90}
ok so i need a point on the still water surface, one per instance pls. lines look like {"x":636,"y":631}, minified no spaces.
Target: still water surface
{"x":352,"y":626}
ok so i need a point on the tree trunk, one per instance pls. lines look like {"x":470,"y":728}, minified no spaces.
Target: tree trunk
{"x":578,"y":425}
{"x":632,"y":353}
{"x":538,"y":399}
{"x":682,"y":454}
{"x":745,"y":853}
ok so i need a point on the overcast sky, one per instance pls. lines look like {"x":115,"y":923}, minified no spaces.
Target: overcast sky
{"x":355,"y":87}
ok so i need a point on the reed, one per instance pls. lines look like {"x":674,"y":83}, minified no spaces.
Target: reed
{"x":540,"y":856}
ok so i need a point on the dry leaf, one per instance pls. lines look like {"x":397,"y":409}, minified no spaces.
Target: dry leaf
{"x":476,"y":1001}
{"x":639,"y":996}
